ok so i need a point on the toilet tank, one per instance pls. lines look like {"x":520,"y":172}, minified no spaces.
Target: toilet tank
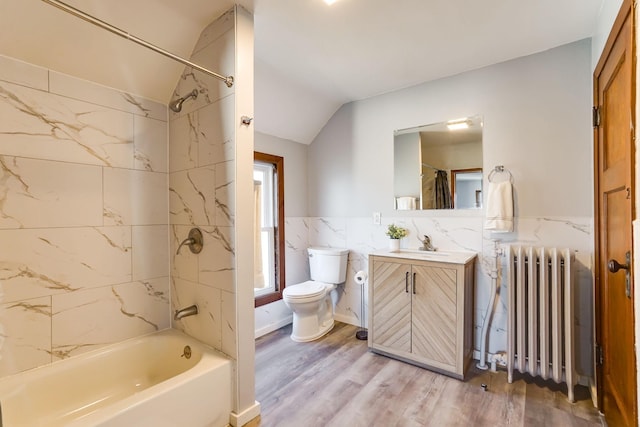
{"x":328,"y":265}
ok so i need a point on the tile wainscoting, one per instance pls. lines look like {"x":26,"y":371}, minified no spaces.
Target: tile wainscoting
{"x":460,"y":232}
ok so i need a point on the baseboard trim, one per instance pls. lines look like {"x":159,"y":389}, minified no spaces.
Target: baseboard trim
{"x":238,"y":420}
{"x":273,"y":326}
{"x":289,"y":319}
{"x":346,"y":319}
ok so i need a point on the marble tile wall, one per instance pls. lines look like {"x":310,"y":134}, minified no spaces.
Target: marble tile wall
{"x":361,"y":236}
{"x":83,"y":216}
{"x":201,"y":192}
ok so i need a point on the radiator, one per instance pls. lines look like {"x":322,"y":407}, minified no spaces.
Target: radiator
{"x":541,"y":331}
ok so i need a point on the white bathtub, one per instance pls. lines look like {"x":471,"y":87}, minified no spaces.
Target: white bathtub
{"x":140,"y":382}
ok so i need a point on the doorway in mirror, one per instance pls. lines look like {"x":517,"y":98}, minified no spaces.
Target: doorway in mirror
{"x":466,"y":187}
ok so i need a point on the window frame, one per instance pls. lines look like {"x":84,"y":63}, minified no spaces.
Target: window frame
{"x":279,"y":243}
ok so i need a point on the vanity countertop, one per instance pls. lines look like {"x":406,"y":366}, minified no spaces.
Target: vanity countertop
{"x":450,"y":257}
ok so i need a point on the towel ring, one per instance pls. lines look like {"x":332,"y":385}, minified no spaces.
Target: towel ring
{"x":499,"y":169}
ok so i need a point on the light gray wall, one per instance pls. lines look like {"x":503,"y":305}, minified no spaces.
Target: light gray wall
{"x":536,"y":112}
{"x":406,"y":160}
{"x":295,"y":170}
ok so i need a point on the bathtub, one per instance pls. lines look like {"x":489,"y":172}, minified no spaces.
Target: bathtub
{"x":146,"y":381}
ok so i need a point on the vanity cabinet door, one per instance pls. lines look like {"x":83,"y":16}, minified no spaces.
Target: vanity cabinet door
{"x":434,"y":314}
{"x":421,"y":312}
{"x":391,"y":326}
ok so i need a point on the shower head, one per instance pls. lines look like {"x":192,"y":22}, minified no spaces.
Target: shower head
{"x":176,"y":105}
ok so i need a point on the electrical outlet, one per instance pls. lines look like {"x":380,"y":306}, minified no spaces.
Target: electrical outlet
{"x":377,"y":218}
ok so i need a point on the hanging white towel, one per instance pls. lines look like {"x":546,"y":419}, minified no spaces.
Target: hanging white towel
{"x":405,"y":203}
{"x":499,"y":207}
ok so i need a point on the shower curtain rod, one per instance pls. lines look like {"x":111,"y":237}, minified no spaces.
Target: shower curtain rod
{"x":117,"y":31}
{"x":432,"y":167}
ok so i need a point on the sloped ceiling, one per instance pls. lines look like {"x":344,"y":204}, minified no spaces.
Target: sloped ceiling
{"x":310,"y":58}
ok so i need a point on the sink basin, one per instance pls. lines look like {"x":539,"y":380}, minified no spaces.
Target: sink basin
{"x":424,"y":253}
{"x":447,"y":257}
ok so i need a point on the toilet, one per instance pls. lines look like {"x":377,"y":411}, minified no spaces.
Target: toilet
{"x":311,"y":301}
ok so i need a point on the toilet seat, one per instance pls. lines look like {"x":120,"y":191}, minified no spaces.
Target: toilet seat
{"x":309,"y":289}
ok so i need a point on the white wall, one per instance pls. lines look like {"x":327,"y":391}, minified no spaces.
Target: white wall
{"x":246,"y":407}
{"x":536,"y":113}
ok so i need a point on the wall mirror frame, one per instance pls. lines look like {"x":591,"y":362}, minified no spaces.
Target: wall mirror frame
{"x":439,"y":166}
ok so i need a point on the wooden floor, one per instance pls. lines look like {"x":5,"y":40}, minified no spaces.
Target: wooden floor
{"x":336,"y":381}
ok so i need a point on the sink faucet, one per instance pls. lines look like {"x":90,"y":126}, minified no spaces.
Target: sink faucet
{"x":192,"y":310}
{"x":426,"y":244}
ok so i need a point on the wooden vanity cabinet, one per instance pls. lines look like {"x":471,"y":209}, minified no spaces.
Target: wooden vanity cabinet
{"x":421,"y":312}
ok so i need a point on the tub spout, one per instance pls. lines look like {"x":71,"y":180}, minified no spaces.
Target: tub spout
{"x":192,"y":310}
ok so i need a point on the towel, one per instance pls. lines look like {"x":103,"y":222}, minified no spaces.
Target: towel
{"x":405,"y":203}
{"x":499,"y":207}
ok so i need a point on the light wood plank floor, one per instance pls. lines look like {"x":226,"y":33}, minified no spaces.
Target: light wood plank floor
{"x":337,"y":382}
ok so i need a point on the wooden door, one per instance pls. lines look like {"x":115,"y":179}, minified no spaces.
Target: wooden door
{"x":614,"y":93}
{"x":391,"y":305}
{"x":434,"y":314}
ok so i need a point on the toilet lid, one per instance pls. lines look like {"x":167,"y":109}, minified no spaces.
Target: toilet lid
{"x":305,"y":289}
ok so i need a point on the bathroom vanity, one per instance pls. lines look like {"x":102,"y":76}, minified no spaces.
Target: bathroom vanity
{"x":421,"y":308}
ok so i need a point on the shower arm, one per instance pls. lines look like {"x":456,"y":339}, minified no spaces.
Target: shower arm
{"x":176,"y":106}
{"x":117,"y":31}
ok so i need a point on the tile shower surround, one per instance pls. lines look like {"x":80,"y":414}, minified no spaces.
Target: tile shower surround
{"x":83,"y":216}
{"x":90,"y":212}
{"x":202,"y":192}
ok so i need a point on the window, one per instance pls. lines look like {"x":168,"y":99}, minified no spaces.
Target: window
{"x":268,"y":191}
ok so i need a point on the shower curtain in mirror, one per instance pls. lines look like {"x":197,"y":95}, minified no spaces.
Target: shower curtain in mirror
{"x":443,"y":195}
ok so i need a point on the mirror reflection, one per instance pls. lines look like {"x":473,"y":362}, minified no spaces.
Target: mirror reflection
{"x":439,"y":166}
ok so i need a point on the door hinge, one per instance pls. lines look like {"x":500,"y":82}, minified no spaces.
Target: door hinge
{"x":595,"y":118}
{"x":599,"y":355}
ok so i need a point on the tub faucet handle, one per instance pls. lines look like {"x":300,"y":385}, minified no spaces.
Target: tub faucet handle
{"x":194,"y":241}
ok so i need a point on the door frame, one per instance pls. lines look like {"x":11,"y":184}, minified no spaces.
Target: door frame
{"x":627,"y":7}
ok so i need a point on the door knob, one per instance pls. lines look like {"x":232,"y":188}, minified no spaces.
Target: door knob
{"x":614,"y":266}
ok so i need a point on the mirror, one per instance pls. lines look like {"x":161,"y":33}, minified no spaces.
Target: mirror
{"x":439,"y":166}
